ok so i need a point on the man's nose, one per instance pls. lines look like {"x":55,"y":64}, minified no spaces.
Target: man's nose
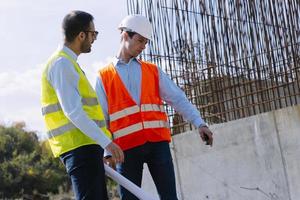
{"x":144,"y":46}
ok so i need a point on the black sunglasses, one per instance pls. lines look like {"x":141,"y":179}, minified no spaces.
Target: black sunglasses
{"x":95,"y":33}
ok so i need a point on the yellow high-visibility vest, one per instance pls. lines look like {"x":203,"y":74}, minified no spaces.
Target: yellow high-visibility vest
{"x":62,"y":134}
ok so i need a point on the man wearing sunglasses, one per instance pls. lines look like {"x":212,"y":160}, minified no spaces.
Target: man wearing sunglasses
{"x":132,"y":92}
{"x":74,"y":120}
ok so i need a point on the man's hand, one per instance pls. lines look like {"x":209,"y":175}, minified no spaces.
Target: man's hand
{"x":116,"y":152}
{"x":206,"y":135}
{"x":110,"y":162}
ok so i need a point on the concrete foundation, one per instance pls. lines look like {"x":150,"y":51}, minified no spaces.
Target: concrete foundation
{"x":252,"y":158}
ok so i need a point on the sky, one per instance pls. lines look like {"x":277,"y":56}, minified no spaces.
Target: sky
{"x":30,"y":31}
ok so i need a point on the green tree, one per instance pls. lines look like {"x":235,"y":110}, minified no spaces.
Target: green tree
{"x":27,"y":165}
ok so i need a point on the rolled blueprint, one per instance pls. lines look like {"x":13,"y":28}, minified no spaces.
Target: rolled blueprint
{"x":134,"y":189}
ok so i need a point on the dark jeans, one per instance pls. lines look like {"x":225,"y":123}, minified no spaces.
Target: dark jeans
{"x":157,"y":155}
{"x":85,"y":168}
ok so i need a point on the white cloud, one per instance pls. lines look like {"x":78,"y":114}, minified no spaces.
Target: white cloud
{"x":12,"y":82}
{"x":24,"y":45}
{"x":20,"y":95}
{"x":92,"y":72}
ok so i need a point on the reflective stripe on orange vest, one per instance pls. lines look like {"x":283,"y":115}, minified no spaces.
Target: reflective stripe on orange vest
{"x":123,"y":113}
{"x":135,"y":109}
{"x":140,"y":126}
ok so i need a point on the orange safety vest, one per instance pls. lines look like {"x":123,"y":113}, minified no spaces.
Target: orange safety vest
{"x":132,"y":125}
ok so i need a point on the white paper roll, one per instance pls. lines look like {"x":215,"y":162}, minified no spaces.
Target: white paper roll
{"x":134,"y":189}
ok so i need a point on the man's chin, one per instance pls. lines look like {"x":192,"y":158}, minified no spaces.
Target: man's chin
{"x":87,"y":50}
{"x":137,"y":54}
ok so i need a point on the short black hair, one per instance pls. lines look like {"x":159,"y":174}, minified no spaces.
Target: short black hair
{"x":74,"y":23}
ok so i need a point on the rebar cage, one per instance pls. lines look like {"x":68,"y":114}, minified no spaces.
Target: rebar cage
{"x":232,"y":58}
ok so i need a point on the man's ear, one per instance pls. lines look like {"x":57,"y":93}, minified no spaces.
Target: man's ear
{"x":81,"y":36}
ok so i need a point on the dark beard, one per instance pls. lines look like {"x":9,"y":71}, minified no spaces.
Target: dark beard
{"x":85,"y":47}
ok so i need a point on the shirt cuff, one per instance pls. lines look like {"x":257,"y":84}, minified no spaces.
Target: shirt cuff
{"x":106,"y":153}
{"x":199,"y":123}
{"x":105,"y":141}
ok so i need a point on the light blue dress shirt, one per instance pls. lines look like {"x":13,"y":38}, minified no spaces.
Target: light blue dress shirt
{"x":130,"y":74}
{"x":64,"y":79}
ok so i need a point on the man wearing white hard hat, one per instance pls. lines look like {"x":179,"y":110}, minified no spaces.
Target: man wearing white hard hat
{"x":131,"y":92}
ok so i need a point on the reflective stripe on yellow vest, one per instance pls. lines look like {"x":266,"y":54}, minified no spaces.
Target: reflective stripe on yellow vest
{"x":62,"y":134}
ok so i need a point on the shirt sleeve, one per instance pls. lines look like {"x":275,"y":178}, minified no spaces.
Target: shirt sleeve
{"x":103,"y":102}
{"x":102,"y":98}
{"x":64,"y":79}
{"x":176,"y":98}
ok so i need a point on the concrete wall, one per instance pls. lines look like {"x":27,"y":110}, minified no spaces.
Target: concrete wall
{"x":255,"y":158}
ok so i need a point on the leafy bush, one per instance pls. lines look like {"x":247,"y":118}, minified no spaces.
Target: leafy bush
{"x":27,"y":165}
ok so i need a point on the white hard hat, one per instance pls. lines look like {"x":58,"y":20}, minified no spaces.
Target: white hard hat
{"x":138,"y":24}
